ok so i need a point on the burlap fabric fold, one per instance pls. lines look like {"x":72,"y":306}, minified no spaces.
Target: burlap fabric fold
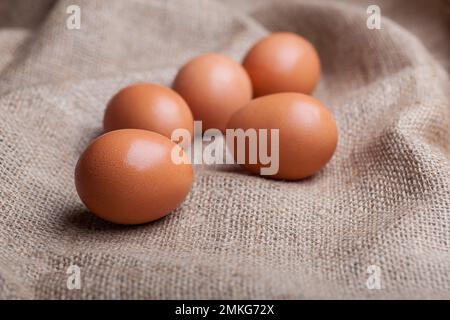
{"x":383,"y":200}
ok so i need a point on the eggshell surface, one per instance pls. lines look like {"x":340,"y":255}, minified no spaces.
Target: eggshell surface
{"x":127,"y":177}
{"x":214,"y":86}
{"x":307,"y":133}
{"x":282,"y":62}
{"x":150,"y":107}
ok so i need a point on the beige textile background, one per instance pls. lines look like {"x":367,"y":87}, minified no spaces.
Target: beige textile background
{"x":383,"y":200}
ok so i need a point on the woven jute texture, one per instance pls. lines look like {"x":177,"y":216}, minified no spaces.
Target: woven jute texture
{"x":383,"y":200}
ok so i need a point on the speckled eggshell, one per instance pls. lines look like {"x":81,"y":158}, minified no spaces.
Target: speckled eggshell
{"x":282,"y":62}
{"x":307,"y":132}
{"x":214,"y":86}
{"x":127,"y":177}
{"x":148,"y":106}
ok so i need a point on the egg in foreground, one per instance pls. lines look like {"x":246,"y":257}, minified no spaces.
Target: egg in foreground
{"x":282,"y":62}
{"x":307,"y":133}
{"x":127,"y":177}
{"x":148,"y":106}
{"x":214,"y":86}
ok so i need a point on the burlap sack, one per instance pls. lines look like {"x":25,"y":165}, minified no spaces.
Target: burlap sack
{"x":383,"y":200}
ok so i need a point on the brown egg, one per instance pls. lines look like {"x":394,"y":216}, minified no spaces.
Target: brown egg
{"x":307,"y":134}
{"x":127,"y":176}
{"x":282,"y":62}
{"x":150,"y":107}
{"x":214,"y":86}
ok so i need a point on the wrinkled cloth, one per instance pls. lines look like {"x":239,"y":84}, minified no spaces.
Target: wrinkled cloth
{"x":383,"y":200}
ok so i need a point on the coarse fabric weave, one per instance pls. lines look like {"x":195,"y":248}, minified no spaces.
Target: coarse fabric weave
{"x":383,"y":200}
